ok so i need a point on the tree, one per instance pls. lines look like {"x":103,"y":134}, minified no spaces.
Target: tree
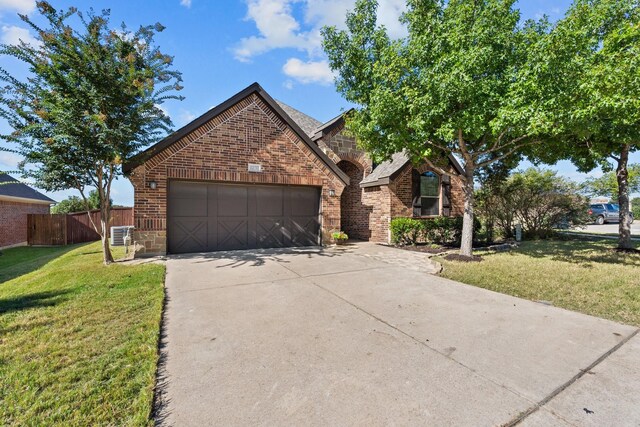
{"x":92,"y":99}
{"x":598,"y":43}
{"x":458,"y":83}
{"x":607,"y":184}
{"x":76,"y":204}
{"x":538,"y":199}
{"x":71,"y":204}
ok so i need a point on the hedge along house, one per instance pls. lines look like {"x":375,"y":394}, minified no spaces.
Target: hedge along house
{"x":255,"y":173}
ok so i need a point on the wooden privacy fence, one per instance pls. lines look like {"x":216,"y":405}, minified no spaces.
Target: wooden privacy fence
{"x":66,"y":229}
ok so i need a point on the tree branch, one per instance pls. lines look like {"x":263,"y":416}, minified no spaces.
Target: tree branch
{"x":463,"y":146}
{"x":496,"y":144}
{"x":441,"y":147}
{"x":86,"y":205}
{"x":437,"y":169}
{"x":497,"y":159}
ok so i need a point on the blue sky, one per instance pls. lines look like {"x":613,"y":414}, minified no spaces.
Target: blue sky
{"x":223,"y":46}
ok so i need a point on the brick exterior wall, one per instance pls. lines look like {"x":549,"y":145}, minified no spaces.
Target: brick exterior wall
{"x":354,"y":217}
{"x":13,"y":221}
{"x":367,"y":212}
{"x":220,"y":150}
{"x":378,"y":201}
{"x":402,"y":197}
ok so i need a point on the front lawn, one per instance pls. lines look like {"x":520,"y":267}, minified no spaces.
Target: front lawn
{"x":584,"y":276}
{"x":78,"y":340}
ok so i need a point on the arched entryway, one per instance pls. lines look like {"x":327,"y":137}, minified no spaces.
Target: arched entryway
{"x":354,"y":217}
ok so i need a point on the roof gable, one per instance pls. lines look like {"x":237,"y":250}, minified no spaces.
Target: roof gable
{"x":328,"y":127}
{"x":388,"y":170}
{"x":256,"y":89}
{"x":12,"y":188}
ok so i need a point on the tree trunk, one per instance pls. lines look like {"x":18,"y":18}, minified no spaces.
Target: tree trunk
{"x":622,"y":174}
{"x":105,"y":219}
{"x":466,"y":244}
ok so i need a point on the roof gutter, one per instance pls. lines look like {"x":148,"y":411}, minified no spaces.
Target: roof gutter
{"x":25,"y":200}
{"x":376,"y":183}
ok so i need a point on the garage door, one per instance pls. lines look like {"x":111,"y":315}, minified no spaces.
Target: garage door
{"x":206,"y":217}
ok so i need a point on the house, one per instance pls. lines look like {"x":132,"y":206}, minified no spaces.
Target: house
{"x":16,"y":201}
{"x":256,"y":173}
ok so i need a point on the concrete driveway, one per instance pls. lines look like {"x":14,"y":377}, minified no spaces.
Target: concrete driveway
{"x":362,"y":335}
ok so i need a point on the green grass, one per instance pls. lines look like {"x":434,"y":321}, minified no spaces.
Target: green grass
{"x":78,"y":340}
{"x":585,"y":276}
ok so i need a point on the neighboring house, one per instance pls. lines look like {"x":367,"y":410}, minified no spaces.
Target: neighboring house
{"x":16,"y":201}
{"x":255,"y":173}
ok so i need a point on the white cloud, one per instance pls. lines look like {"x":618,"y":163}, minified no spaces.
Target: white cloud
{"x":296,"y":24}
{"x":9,"y":161}
{"x":308,"y":72}
{"x":320,"y":13}
{"x":276,"y":25}
{"x":185,"y":3}
{"x":288,"y":84}
{"x":185,"y":117}
{"x":12,"y":34}
{"x":21,"y":6}
{"x":389,"y":12}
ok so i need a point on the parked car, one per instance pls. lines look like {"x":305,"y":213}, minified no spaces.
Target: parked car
{"x":605,"y":212}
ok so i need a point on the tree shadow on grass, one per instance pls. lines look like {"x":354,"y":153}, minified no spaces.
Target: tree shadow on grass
{"x":17,"y":262}
{"x":579,"y":251}
{"x":35,"y":300}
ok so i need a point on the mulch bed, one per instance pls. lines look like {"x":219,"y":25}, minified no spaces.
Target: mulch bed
{"x":462,"y":258}
{"x":425,"y":249}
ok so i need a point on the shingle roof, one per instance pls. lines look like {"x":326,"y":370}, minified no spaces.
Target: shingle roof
{"x":384,"y":172}
{"x":307,"y":123}
{"x":387,"y":168}
{"x":11,"y":187}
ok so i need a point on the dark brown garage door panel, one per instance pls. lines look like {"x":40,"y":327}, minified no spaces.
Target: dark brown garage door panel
{"x":214,"y":217}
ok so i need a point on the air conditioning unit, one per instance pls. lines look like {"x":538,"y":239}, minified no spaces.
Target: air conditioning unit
{"x":119,"y":233}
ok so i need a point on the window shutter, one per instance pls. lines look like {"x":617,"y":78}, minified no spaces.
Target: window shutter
{"x":415,"y":192}
{"x":446,"y":195}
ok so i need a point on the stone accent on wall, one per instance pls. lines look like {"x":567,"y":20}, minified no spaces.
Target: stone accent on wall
{"x":149,"y":243}
{"x":341,"y":147}
{"x":220,"y":151}
{"x":13,"y":221}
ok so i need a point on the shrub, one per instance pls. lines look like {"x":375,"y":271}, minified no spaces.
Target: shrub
{"x":406,"y":231}
{"x":339,"y":235}
{"x":538,"y":199}
{"x":76,"y":204}
{"x":440,"y":230}
{"x":635,"y":207}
